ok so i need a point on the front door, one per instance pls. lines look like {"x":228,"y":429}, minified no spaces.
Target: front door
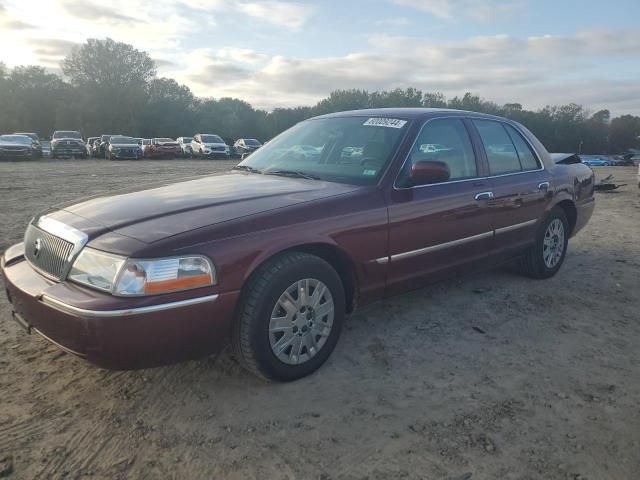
{"x":435,"y":228}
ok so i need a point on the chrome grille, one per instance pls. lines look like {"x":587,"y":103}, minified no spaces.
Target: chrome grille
{"x":46,"y":252}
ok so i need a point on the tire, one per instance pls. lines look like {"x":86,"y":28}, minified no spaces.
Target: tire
{"x":252,"y":338}
{"x":538,"y":262}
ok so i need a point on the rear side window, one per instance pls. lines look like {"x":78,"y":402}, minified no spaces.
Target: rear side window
{"x":528,"y":160}
{"x":445,"y":140}
{"x":501,"y":153}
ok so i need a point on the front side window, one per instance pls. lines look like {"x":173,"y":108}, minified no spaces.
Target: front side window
{"x":501,"y":154}
{"x":443,"y":140}
{"x":354,"y":150}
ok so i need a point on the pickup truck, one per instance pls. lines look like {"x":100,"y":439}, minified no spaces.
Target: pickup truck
{"x":273,"y":255}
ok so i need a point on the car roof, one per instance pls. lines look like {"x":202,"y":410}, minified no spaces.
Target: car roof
{"x":419,"y":113}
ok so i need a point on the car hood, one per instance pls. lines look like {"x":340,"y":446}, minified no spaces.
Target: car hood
{"x":9,"y":144}
{"x":124,"y":145}
{"x":152,"y":214}
{"x":214,"y":144}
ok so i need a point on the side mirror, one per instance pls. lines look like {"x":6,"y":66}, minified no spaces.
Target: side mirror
{"x":427,"y":172}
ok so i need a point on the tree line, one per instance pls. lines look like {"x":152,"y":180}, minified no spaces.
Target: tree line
{"x":111,"y":87}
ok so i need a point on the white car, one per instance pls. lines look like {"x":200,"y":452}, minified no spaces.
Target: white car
{"x":209,"y":145}
{"x":185,"y":145}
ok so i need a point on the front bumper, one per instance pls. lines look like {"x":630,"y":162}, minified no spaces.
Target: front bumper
{"x":16,"y":153}
{"x":69,"y":150}
{"x":117,"y":333}
{"x":216,"y":154}
{"x":129,"y":155}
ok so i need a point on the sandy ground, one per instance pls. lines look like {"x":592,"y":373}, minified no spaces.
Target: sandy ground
{"x":490,"y":377}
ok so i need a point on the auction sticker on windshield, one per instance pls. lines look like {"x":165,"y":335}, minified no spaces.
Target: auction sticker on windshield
{"x":385,"y":122}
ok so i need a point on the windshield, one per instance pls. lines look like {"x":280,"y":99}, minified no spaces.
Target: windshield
{"x":186,"y":139}
{"x":164,"y":140}
{"x":351,"y":150}
{"x":123,"y":140}
{"x":211,"y":139}
{"x":32,"y":136}
{"x":17,"y":139}
{"x":67,"y":135}
{"x":251,"y":141}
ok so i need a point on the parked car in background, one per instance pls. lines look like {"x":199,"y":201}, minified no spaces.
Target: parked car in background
{"x":15,"y":147}
{"x":595,"y":161}
{"x":104,"y":143}
{"x":89,"y":145}
{"x":185,"y":145}
{"x":95,"y":148}
{"x":209,"y":145}
{"x":144,"y":145}
{"x":275,"y":254}
{"x":68,"y":143}
{"x":162,"y":148}
{"x":121,"y":147}
{"x":35,"y":143}
{"x":246,"y":145}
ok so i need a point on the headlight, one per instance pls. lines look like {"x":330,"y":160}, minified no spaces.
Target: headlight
{"x":132,"y":277}
{"x":151,"y":277}
{"x":96,"y":269}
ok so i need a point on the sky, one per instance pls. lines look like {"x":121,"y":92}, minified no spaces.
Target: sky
{"x":280,"y":53}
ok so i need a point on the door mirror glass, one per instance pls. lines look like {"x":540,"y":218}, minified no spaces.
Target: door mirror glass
{"x":426,"y":172}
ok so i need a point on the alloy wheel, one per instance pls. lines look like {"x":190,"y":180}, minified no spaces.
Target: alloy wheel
{"x":553,"y":244}
{"x":301,"y":321}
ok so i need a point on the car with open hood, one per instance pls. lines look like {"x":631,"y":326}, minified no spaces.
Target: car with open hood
{"x":185,"y":146}
{"x":274,"y":254}
{"x":246,"y":146}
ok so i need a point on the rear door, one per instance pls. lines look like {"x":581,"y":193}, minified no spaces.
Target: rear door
{"x":433,"y":229}
{"x":521,"y":188}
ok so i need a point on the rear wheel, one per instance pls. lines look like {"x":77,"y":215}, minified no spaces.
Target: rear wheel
{"x":290,"y":317}
{"x":546,"y":257}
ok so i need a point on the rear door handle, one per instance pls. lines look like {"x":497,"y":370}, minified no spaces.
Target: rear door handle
{"x":544,"y":186}
{"x":484,"y":196}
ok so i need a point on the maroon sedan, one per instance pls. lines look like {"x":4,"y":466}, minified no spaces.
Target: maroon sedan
{"x":336,"y":212}
{"x":163,"y":148}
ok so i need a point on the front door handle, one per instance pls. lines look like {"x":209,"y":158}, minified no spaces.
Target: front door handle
{"x":484,"y":196}
{"x":544,"y":186}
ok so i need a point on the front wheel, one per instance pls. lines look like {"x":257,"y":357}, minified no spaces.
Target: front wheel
{"x":290,"y":317}
{"x":546,"y":257}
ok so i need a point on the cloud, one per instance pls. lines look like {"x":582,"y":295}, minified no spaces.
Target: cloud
{"x":532,"y":70}
{"x":285,"y":14}
{"x":9,"y":22}
{"x":242,"y":55}
{"x":164,"y":64}
{"x":96,"y":12}
{"x":50,"y":51}
{"x":483,"y":10}
{"x":291,"y":15}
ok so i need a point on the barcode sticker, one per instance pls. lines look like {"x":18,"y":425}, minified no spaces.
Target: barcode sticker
{"x":385,"y":122}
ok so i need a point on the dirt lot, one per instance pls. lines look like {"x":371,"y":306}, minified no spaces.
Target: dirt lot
{"x":490,"y":377}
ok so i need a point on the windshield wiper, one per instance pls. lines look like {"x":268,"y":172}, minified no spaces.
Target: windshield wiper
{"x":292,"y":173}
{"x":246,"y":168}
